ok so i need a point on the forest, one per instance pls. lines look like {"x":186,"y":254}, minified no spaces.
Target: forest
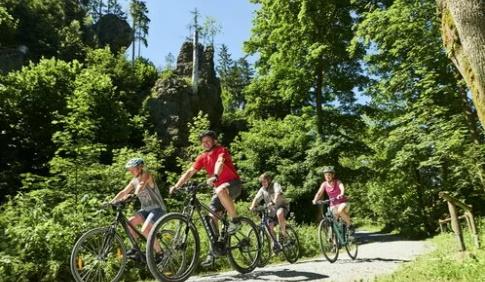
{"x":370,"y":87}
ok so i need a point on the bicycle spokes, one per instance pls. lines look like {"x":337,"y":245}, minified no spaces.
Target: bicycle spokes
{"x":99,"y":255}
{"x":244,"y":247}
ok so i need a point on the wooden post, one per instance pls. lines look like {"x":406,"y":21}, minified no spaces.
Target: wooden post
{"x":455,"y":224}
{"x":473,"y":229}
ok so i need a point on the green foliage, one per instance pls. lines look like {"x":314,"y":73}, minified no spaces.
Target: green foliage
{"x":45,"y":27}
{"x":444,"y":263}
{"x":419,"y":130}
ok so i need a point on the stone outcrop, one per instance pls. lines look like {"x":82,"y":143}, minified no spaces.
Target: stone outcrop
{"x":173,"y":104}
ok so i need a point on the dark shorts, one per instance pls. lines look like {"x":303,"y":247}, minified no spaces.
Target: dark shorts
{"x":234,"y":189}
{"x":152,"y":215}
{"x":274,"y":219}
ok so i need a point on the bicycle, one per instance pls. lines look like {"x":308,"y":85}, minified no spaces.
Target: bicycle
{"x":333,"y":235}
{"x":183,"y":248}
{"x":290,"y":245}
{"x":100,"y":253}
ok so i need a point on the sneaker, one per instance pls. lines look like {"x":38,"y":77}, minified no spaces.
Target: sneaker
{"x":234,"y":226}
{"x":276,"y":248}
{"x":209,"y":261}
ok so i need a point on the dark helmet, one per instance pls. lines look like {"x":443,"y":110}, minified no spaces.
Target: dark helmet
{"x":209,"y":133}
{"x":328,"y":169}
{"x":134,"y":162}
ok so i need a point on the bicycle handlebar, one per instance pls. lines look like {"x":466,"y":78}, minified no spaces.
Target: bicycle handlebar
{"x":261,"y":208}
{"x":321,"y":202}
{"x":119,"y":203}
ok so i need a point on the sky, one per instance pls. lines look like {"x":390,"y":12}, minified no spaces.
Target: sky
{"x":170,"y":20}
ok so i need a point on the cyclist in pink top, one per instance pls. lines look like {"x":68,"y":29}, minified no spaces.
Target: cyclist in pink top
{"x":335,"y":191}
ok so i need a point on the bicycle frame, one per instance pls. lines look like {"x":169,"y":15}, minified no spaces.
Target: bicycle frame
{"x":194,"y":204}
{"x":123,"y":221}
{"x":265,"y":225}
{"x":337,"y":226}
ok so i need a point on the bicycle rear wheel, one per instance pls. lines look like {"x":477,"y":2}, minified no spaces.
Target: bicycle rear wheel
{"x":98,"y":255}
{"x":291,"y":245}
{"x":328,"y":241}
{"x":352,"y":246}
{"x":173,"y":248}
{"x":244,"y":247}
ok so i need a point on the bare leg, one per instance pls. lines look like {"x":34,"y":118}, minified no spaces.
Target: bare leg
{"x":344,"y":213}
{"x":135,"y":221}
{"x":226,"y":200}
{"x":280,"y":213}
{"x":147,"y":227}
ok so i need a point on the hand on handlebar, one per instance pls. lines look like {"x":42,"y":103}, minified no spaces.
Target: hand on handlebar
{"x":211,"y":180}
{"x":172,"y":189}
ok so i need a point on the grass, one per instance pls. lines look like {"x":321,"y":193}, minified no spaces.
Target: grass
{"x":445,"y":263}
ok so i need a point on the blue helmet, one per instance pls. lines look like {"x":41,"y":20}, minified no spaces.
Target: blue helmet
{"x":134,"y":162}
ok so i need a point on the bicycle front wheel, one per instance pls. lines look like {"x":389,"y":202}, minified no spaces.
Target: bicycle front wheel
{"x":173,"y":248}
{"x":244,"y":247}
{"x":98,"y":255}
{"x":265,"y":251}
{"x":291,"y":245}
{"x":328,"y":241}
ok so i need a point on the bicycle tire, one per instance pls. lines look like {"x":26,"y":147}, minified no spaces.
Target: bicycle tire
{"x":328,"y":241}
{"x":352,"y":242}
{"x":245,"y":243}
{"x":169,"y":221}
{"x":291,"y":245}
{"x":78,"y":262}
{"x":265,"y":251}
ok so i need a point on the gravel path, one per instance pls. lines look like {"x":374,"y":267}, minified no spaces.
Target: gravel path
{"x":378,"y":254}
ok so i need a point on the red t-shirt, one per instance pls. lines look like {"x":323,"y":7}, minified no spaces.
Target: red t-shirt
{"x":207,"y":160}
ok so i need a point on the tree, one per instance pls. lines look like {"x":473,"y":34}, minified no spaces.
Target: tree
{"x":463,"y":34}
{"x":303,"y":57}
{"x":210,"y":29}
{"x":234,"y":76}
{"x":169,"y":61}
{"x":422,"y":136}
{"x":139,"y":16}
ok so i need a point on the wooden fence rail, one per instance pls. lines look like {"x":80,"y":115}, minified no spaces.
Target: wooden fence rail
{"x":455,"y":225}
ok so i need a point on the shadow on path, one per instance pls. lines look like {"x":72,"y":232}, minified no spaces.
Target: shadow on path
{"x":268,"y":275}
{"x":372,"y":237}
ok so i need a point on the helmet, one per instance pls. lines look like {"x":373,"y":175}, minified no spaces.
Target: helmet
{"x":134,"y":162}
{"x":209,"y":133}
{"x":328,"y":169}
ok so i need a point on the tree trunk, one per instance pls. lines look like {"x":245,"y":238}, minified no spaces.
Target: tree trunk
{"x":133,"y":44}
{"x":463,"y":34}
{"x":318,"y":102}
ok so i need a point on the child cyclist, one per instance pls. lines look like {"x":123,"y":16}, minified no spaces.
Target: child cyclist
{"x":335,"y":190}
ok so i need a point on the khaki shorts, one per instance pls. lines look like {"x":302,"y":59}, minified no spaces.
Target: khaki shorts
{"x":342,"y":206}
{"x":234,"y":189}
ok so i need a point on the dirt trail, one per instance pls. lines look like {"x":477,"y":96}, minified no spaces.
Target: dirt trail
{"x":378,"y":254}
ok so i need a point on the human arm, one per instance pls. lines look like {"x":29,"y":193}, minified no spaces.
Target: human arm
{"x":319,"y":194}
{"x":217,"y":168}
{"x":342,"y":190}
{"x":256,"y":200}
{"x":183,"y":179}
{"x":123,"y":193}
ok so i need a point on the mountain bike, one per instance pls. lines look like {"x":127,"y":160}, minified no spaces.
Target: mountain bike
{"x":100,"y":253}
{"x":290,"y":244}
{"x":183,"y":248}
{"x":333,"y":235}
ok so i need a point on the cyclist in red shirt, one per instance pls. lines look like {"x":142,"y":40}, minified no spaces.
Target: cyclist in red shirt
{"x":222,"y":174}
